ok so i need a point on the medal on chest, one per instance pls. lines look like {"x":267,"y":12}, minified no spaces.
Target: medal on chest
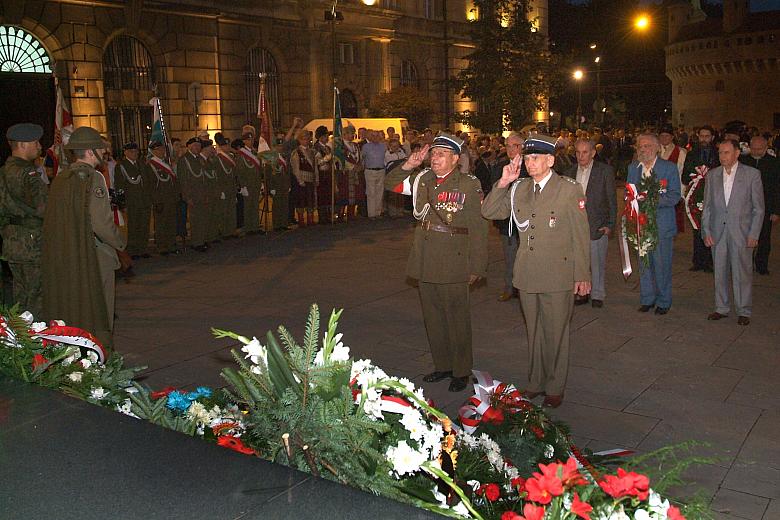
{"x":450,"y":201}
{"x":553,"y":221}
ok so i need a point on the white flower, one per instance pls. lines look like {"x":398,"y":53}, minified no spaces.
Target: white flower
{"x":657,"y":504}
{"x":98,"y":393}
{"x":358,"y":367}
{"x":549,"y":451}
{"x":462,"y":510}
{"x":405,"y":459}
{"x":619,"y":515}
{"x":38,"y":326}
{"x":198,"y":413}
{"x":27,"y":317}
{"x":414,"y":424}
{"x":75,"y":376}
{"x":126,"y":408}
{"x":406,"y":384}
{"x":92,"y":356}
{"x":641,"y":514}
{"x":372,"y":405}
{"x":85,"y":363}
{"x":256,"y":353}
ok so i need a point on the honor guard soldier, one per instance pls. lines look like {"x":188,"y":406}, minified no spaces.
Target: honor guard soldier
{"x":213,"y":189}
{"x":248,"y":171}
{"x":133,"y":178}
{"x":449,"y":252}
{"x":80,"y":242}
{"x":22,"y":205}
{"x":166,"y":194}
{"x":189,"y":170}
{"x":226,"y":176}
{"x":277,"y":182}
{"x":553,"y":258}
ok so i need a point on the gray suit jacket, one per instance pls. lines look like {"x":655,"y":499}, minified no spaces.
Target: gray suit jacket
{"x":600,"y":197}
{"x":744,"y":215}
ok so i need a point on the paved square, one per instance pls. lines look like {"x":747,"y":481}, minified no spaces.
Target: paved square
{"x":637,"y":381}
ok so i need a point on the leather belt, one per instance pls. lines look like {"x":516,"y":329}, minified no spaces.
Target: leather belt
{"x":441,"y":228}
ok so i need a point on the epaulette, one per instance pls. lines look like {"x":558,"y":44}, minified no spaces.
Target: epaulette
{"x":573,"y":181}
{"x":522,"y":179}
{"x":472,"y":176}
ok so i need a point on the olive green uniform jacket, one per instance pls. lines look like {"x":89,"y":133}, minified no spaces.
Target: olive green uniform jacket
{"x":79,"y":256}
{"x":166,"y":194}
{"x":277,"y":183}
{"x":22,"y":205}
{"x":136,"y":181}
{"x":194,"y":191}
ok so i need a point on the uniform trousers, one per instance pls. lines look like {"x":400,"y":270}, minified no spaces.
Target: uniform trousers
{"x":655,"y":280}
{"x":447,"y":317}
{"x":764,"y":246}
{"x":732,"y":258}
{"x":547,"y":318}
{"x":509,"y":245}
{"x":27,"y":286}
{"x":598,"y":267}
{"x":375,"y":190}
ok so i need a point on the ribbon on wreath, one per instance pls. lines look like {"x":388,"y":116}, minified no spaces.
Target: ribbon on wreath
{"x":56,"y":333}
{"x":478,"y":409}
{"x":630,"y":213}
{"x":701,"y":173}
{"x":387,"y":403}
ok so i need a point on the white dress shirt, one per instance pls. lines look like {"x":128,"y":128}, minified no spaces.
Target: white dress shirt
{"x":646,"y":170}
{"x":542,"y":183}
{"x":728,"y":181}
{"x":583,"y":175}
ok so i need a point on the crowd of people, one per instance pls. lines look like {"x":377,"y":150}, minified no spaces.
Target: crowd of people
{"x":104,"y":214}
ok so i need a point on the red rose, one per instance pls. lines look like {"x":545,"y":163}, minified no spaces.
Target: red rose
{"x":663,"y":183}
{"x":38,"y":360}
{"x":518,"y":483}
{"x":542,"y":488}
{"x":537,"y":431}
{"x":510,"y":515}
{"x":642,"y":219}
{"x":674,"y":514}
{"x":581,"y":509}
{"x":492,"y":492}
{"x":235,"y":444}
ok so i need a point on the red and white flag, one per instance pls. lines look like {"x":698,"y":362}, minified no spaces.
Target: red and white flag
{"x":63,"y":128}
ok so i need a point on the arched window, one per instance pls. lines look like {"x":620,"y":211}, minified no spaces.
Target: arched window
{"x":128,"y":78}
{"x":409,"y":76}
{"x":259,"y":60}
{"x":349,"y":106}
{"x":20,"y":51}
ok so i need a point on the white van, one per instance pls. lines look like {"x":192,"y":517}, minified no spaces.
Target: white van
{"x":400,"y":124}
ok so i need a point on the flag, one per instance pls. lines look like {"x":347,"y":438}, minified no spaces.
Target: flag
{"x":338,"y":142}
{"x":63,"y":128}
{"x":263,"y":114}
{"x":158,"y":127}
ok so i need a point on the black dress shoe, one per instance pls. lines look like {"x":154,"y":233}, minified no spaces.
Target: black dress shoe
{"x":743,"y":320}
{"x":597,"y":303}
{"x":661,"y":310}
{"x":458,"y":384}
{"x":645,"y":308}
{"x":763,"y":271}
{"x":580,"y":300}
{"x":715,"y":316}
{"x":436,"y":376}
{"x":695,"y":268}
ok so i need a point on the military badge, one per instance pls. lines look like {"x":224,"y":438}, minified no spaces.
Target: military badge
{"x":553,"y":221}
{"x":449,"y":218}
{"x":581,"y":203}
{"x":100,"y":192}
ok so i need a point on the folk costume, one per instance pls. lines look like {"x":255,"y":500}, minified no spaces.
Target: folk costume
{"x":305,"y":172}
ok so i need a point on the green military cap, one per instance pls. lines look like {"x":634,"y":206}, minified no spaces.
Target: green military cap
{"x":444,"y":140}
{"x":24,"y":132}
{"x":85,"y":138}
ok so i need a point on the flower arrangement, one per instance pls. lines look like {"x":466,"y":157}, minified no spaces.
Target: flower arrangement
{"x":694,"y":197}
{"x":639,"y":216}
{"x":309,"y":405}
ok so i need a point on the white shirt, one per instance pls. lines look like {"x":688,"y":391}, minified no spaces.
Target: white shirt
{"x":728,"y":181}
{"x":583,"y":175}
{"x":542,"y":183}
{"x":646,"y":170}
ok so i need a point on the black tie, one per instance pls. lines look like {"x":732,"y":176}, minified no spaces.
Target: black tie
{"x":537,"y":191}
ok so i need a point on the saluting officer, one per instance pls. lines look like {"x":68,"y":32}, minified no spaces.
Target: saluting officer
{"x":80,"y":242}
{"x":22,"y":205}
{"x":449,"y":251}
{"x":553,"y":258}
{"x":132,"y":176}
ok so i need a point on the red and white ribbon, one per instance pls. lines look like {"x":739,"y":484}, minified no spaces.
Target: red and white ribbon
{"x":630,"y":213}
{"x":56,"y":333}
{"x":478,"y":407}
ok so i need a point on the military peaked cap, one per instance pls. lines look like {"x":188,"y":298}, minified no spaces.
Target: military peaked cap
{"x":130,"y":146}
{"x":24,"y":132}
{"x":448,"y":141}
{"x":193,"y":140}
{"x":539,"y":143}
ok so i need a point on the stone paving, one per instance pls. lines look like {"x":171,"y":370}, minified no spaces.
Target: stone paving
{"x":637,"y":381}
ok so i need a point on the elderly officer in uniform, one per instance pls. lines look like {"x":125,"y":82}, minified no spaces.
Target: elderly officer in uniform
{"x":553,"y":258}
{"x":80,"y":242}
{"x":132,"y":176}
{"x":449,"y":251}
{"x":22,"y":204}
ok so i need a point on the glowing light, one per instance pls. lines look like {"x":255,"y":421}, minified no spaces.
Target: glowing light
{"x":642,"y":22}
{"x":592,"y":45}
{"x":369,"y":2}
{"x":578,"y":74}
{"x":597,"y":60}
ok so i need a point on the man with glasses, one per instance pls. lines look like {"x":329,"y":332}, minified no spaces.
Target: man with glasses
{"x":553,"y":258}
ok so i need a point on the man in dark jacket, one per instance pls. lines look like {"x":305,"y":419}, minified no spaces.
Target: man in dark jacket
{"x":770,"y":178}
{"x":598,"y":183}
{"x":704,"y":154}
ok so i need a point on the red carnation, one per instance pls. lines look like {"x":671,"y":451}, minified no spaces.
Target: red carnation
{"x":493,"y":416}
{"x":38,"y":360}
{"x":235,"y":444}
{"x":510,"y":515}
{"x":626,"y":484}
{"x":492,"y":492}
{"x":518,"y":483}
{"x":580,"y":508}
{"x":663,"y":183}
{"x":674,"y":514}
{"x":642,"y":219}
{"x":542,"y":488}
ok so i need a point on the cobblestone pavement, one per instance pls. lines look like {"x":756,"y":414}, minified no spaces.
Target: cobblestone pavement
{"x":637,"y":381}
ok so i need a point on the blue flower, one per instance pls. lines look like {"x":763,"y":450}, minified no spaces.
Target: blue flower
{"x":203,"y":391}
{"x":178,"y":402}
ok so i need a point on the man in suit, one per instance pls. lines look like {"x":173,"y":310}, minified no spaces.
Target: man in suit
{"x":769,"y":167}
{"x":655,"y":282}
{"x":704,"y":155}
{"x":449,"y":252}
{"x":598,"y":182}
{"x":553,"y":258}
{"x":731,"y":224}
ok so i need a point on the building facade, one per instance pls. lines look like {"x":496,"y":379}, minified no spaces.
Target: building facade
{"x":203,"y":59}
{"x":724,"y":69}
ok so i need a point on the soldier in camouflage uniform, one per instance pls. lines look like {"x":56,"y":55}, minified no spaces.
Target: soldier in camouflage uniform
{"x":22,"y":205}
{"x":449,"y":252}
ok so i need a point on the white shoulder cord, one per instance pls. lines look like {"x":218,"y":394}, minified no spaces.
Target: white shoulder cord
{"x":419,"y":215}
{"x":127,"y":176}
{"x":513,"y":215}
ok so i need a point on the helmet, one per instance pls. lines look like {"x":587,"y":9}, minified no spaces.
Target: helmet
{"x":85,"y":138}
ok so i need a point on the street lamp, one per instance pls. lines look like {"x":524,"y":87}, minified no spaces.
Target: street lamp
{"x":642,"y":22}
{"x":578,"y":75}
